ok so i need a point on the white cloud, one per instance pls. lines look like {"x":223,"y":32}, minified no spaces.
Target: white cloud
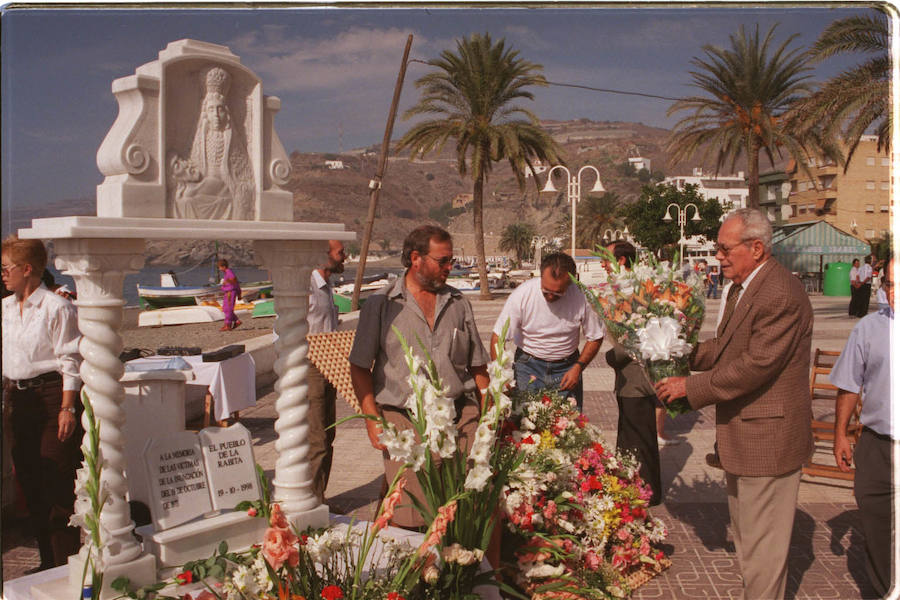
{"x":354,"y":57}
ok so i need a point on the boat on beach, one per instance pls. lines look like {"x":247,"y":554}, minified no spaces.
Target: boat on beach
{"x":169,"y":293}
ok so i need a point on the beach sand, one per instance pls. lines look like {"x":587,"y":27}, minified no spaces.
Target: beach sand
{"x":206,"y":336}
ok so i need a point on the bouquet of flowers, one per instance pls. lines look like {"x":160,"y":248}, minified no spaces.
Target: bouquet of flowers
{"x":578,"y":507}
{"x":655,"y":315}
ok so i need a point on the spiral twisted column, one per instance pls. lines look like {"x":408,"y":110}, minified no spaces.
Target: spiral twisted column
{"x":99,"y":267}
{"x":290,"y":264}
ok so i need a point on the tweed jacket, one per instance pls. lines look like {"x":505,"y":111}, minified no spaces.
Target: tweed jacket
{"x":757,"y":375}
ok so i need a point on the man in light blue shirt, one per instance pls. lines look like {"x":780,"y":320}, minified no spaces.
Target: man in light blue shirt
{"x":864,"y":367}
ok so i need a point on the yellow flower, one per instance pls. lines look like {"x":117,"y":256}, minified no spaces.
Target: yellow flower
{"x":547,"y":440}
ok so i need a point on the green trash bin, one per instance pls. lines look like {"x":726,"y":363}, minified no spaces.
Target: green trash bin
{"x":837,"y":279}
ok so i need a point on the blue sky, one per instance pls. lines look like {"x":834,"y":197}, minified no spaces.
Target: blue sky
{"x":335,"y":69}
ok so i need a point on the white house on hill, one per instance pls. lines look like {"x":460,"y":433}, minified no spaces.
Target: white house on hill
{"x":724,"y":188}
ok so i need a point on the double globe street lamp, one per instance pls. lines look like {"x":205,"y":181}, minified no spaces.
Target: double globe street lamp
{"x":573,"y":190}
{"x":610,"y":235}
{"x":682,"y":220}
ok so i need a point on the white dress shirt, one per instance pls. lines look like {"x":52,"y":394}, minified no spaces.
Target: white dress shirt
{"x":323,"y":314}
{"x":548,"y":330}
{"x":43,"y":338}
{"x":865,"y":273}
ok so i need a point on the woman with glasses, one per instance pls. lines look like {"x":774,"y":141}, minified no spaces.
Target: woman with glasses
{"x":40,"y":392}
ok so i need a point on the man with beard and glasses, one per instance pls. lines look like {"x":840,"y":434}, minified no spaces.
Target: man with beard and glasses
{"x":323,"y":318}
{"x":428,"y":313}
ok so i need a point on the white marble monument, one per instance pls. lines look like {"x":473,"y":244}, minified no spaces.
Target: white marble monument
{"x":194,"y":138}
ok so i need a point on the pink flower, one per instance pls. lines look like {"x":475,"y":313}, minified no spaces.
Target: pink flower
{"x":591,"y":560}
{"x":278,"y":547}
{"x":550,"y":510}
{"x":445,"y":516}
{"x":387,"y":512}
{"x":252,"y":512}
{"x":278,"y":519}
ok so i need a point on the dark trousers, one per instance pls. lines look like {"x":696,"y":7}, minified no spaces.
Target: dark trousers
{"x":859,"y":300}
{"x":637,"y":434}
{"x":45,"y":468}
{"x":872,"y":489}
{"x":321,"y":416}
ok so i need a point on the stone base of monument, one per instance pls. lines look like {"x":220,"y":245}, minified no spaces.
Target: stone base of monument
{"x":140,"y":571}
{"x":199,"y":539}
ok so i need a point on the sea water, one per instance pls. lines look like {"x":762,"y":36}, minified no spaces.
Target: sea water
{"x":202,"y":275}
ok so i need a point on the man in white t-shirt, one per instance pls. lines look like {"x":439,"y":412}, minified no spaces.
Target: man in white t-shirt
{"x":546,"y":318}
{"x":865,"y":287}
{"x":322,"y":317}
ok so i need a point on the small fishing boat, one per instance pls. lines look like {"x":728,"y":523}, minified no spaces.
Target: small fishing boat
{"x":169,"y":293}
{"x":182,"y":315}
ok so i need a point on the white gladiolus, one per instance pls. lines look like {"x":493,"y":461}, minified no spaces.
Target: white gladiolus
{"x":660,"y":340}
{"x":478,"y":477}
{"x":541,"y":570}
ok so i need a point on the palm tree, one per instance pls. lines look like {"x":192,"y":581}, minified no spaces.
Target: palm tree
{"x":747,"y":92}
{"x":596,"y":214}
{"x":473,"y":91}
{"x":517,"y":237}
{"x":851,"y":102}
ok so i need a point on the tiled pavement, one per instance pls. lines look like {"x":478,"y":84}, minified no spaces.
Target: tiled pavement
{"x":826,"y":559}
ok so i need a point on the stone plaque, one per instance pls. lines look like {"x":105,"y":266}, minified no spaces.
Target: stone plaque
{"x":179,"y":490}
{"x":228,"y":453}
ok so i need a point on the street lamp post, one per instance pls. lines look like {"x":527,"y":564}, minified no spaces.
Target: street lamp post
{"x":611,"y":235}
{"x":682,"y":220}
{"x":573,"y":190}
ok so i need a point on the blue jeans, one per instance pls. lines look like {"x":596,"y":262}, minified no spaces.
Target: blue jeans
{"x":533,"y":374}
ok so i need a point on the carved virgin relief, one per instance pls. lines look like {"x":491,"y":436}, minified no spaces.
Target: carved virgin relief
{"x":194,"y":139}
{"x":216,"y":180}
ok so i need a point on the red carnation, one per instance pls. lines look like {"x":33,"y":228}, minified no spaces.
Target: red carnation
{"x":184,"y":578}
{"x":332,"y":592}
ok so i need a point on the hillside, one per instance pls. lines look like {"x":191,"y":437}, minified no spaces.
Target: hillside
{"x":414,"y":191}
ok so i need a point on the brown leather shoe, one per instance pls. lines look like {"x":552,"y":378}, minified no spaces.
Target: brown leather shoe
{"x":712,"y":459}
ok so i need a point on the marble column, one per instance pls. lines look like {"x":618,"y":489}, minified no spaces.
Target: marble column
{"x":290,"y":264}
{"x":99,"y":267}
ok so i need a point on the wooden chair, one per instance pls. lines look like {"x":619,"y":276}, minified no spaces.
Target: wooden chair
{"x":823,"y":431}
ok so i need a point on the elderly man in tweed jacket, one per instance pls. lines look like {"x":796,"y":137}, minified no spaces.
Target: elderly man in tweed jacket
{"x":756,"y":372}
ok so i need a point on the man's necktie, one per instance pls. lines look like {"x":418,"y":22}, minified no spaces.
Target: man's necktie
{"x":733,"y":293}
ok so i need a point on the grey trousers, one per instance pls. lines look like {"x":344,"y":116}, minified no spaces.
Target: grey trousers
{"x":762,"y":519}
{"x":321,"y":415}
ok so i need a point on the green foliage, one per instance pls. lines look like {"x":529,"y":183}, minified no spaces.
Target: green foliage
{"x":443,"y":213}
{"x":643,"y":175}
{"x":470,"y":98}
{"x":644,"y":217}
{"x":517,"y":238}
{"x":626,"y":169}
{"x":352,"y":248}
{"x":883,"y":247}
{"x":746,"y":90}
{"x":857,"y":99}
{"x":596,"y":214}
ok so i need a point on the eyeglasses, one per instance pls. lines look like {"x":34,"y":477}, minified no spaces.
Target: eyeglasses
{"x":551,"y":293}
{"x":6,"y":269}
{"x":725,"y":250}
{"x":442,"y":262}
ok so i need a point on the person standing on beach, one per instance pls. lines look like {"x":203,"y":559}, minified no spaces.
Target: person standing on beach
{"x":322,"y":318}
{"x":428,"y":313}
{"x":756,"y":373}
{"x":232,"y":291}
{"x":40,"y":391}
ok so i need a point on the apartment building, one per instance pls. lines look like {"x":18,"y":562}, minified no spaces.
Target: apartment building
{"x":724,"y":188}
{"x":856,"y":201}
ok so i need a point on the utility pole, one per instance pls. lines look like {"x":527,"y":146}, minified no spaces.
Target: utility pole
{"x":375,"y":183}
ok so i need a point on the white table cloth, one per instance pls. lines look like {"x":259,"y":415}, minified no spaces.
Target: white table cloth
{"x":231,"y":382}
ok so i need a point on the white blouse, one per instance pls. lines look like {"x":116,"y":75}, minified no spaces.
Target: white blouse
{"x":43,"y":338}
